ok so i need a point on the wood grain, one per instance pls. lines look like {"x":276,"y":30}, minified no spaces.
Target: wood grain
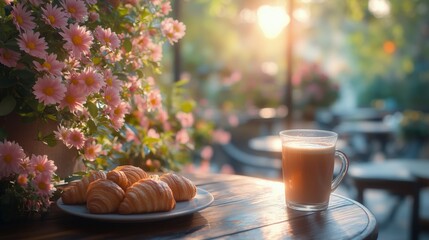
{"x":244,"y":208}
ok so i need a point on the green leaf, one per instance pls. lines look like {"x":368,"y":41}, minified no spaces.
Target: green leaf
{"x":50,"y":140}
{"x":127,"y":45}
{"x":96,"y":60}
{"x":92,"y":108}
{"x":7,"y":105}
{"x":92,"y":126}
{"x":181,"y":83}
{"x":187,"y":106}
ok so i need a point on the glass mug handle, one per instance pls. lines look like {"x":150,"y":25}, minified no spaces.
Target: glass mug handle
{"x":343,"y":170}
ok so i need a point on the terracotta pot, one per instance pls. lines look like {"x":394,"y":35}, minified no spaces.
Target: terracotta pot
{"x":25,"y":134}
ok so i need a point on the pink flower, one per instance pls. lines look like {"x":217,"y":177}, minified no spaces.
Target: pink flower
{"x":78,"y":39}
{"x":185,"y":119}
{"x":165,"y":8}
{"x":73,"y":99}
{"x":107,"y":37}
{"x":93,"y":16}
{"x":92,"y":80}
{"x":11,"y":155}
{"x":152,"y":133}
{"x":76,"y":9}
{"x":154,"y":100}
{"x":117,"y":114}
{"x":155,"y":52}
{"x":8,"y":57}
{"x":206,"y":152}
{"x":25,"y":166}
{"x":74,"y":79}
{"x":75,"y":139}
{"x":31,"y":43}
{"x":62,"y":133}
{"x":182,"y":136}
{"x":111,"y":80}
{"x":49,"y":90}
{"x":43,"y":185}
{"x":130,"y":135}
{"x":50,"y":65}
{"x":54,"y":16}
{"x":22,"y":18}
{"x":172,"y":29}
{"x":22,"y":179}
{"x":42,"y":165}
{"x":112,"y":96}
{"x":92,"y":151}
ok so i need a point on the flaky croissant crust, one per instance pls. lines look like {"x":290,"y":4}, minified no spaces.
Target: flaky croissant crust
{"x":76,"y":192}
{"x":147,"y":195}
{"x":183,"y":189}
{"x":104,"y":196}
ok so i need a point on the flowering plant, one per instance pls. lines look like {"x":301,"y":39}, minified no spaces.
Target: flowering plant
{"x":25,"y":183}
{"x":314,"y":88}
{"x":92,"y":67}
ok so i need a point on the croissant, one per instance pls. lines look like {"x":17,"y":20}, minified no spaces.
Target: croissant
{"x":133,"y":173}
{"x":103,"y":196}
{"x":183,"y":189}
{"x":76,"y":192}
{"x":147,"y":195}
{"x":119,"y":178}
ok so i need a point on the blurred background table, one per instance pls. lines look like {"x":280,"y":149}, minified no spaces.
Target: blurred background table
{"x":400,"y":177}
{"x":244,"y":208}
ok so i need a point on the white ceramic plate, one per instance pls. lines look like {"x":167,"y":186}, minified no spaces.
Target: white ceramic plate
{"x":202,"y":200}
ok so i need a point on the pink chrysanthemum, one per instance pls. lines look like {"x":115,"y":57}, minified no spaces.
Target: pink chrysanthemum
{"x":8,"y":57}
{"x":31,"y":43}
{"x":92,"y":151}
{"x":172,"y":29}
{"x":118,"y":113}
{"x":54,"y":16}
{"x":42,"y":165}
{"x":74,"y":79}
{"x":154,"y":100}
{"x":11,"y":155}
{"x":91,"y":80}
{"x":25,"y":166}
{"x":22,"y":179}
{"x":111,"y":80}
{"x":50,"y":65}
{"x":75,"y":139}
{"x":43,"y":185}
{"x":73,"y":99}
{"x":22,"y":18}
{"x":75,"y":9}
{"x":112,"y":96}
{"x":107,"y":37}
{"x":49,"y":90}
{"x":78,"y":40}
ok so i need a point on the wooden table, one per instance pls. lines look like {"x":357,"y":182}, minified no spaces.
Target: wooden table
{"x":244,"y":208}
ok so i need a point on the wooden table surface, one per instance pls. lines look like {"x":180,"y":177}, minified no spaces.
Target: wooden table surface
{"x":244,"y":208}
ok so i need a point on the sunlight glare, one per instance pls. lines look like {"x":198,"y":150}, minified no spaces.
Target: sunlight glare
{"x":380,"y":8}
{"x":272,"y":20}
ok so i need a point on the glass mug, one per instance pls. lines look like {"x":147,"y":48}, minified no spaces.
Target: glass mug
{"x":308,"y":158}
